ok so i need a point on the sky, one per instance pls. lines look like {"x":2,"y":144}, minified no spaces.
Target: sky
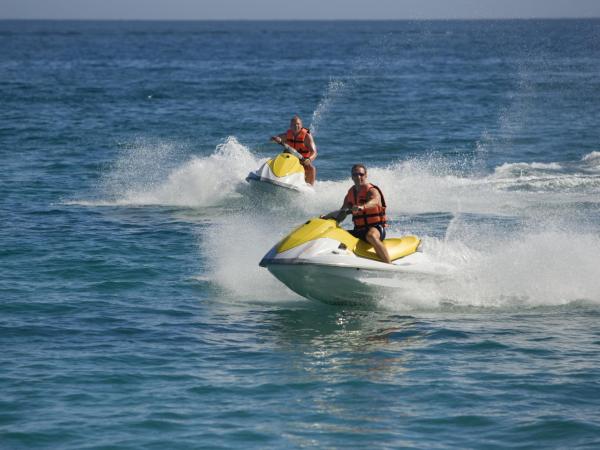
{"x":296,"y":9}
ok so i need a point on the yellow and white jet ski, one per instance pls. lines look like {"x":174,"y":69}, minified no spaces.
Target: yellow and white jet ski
{"x":321,"y":261}
{"x":284,"y":170}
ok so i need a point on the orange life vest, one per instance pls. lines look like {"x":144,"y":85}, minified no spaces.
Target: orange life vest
{"x":297,"y":142}
{"x":374,"y":215}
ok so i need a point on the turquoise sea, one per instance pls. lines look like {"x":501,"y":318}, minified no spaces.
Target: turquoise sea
{"x":133,"y":312}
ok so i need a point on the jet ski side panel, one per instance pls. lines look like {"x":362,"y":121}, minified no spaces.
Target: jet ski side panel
{"x":317,"y":228}
{"x":396,"y":247}
{"x":313,"y":229}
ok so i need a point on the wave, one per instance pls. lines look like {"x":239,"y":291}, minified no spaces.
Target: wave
{"x":592,"y":160}
{"x":571,"y":176}
{"x":481,"y":267}
{"x":521,"y":236}
{"x":501,"y":248}
{"x":150,"y":173}
{"x":532,"y":268}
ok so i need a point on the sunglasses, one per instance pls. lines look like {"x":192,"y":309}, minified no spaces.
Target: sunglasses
{"x":358,"y":174}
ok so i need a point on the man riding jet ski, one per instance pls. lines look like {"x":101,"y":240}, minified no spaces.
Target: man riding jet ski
{"x":320,"y":260}
{"x":366,"y":203}
{"x":300,"y":139}
{"x":293,"y":167}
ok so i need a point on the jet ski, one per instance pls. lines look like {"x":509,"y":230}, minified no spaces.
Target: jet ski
{"x":321,"y":261}
{"x":284,"y":171}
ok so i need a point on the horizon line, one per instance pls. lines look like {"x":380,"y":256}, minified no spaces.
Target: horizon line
{"x":440,"y":19}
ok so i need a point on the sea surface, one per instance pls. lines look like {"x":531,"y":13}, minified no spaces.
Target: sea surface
{"x":133,"y":312}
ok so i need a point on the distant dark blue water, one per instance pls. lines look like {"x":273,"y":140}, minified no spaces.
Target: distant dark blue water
{"x":133,"y":313}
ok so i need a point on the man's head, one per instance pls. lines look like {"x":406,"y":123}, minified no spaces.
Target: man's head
{"x":359,"y":174}
{"x":296,"y":124}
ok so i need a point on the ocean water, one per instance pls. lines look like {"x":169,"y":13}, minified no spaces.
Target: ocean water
{"x":133,"y":313}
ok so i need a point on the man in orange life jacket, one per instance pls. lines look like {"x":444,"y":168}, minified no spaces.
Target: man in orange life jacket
{"x":366,"y":203}
{"x":300,"y":139}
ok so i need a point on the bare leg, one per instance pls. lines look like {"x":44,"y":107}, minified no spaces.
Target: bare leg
{"x":373,"y":239}
{"x":310,"y":173}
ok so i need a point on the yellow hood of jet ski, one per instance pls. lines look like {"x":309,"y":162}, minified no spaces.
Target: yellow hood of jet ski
{"x":285,"y":164}
{"x":317,"y":228}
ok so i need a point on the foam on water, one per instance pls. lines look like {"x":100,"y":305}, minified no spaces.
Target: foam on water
{"x":529,"y":269}
{"x":149,"y":173}
{"x":592,"y":161}
{"x":157,"y":175}
{"x":547,"y":257}
{"x":233,"y":264}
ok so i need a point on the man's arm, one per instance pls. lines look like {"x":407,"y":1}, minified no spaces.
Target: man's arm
{"x":339,"y":214}
{"x":309,"y":142}
{"x":279,"y":138}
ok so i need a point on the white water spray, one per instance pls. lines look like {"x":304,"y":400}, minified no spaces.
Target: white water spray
{"x":335,"y":91}
{"x":515,"y":238}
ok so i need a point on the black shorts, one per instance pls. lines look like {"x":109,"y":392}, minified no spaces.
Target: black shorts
{"x":361,"y":233}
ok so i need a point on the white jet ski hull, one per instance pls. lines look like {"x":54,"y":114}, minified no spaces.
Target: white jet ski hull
{"x":338,"y":285}
{"x":319,"y":270}
{"x":270,"y":183}
{"x":292,"y":176}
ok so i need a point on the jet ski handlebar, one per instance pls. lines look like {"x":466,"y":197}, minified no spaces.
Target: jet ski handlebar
{"x":292,"y":151}
{"x":338,"y":215}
